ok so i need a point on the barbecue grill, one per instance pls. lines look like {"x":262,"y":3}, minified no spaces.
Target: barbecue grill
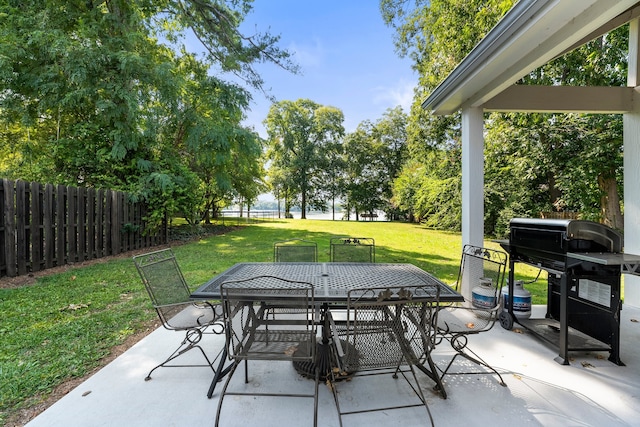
{"x":583,"y":261}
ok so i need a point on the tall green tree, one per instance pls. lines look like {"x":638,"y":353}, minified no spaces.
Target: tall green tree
{"x":363,"y":181}
{"x":436,"y":35}
{"x":105,"y":94}
{"x":391,"y":133}
{"x":374,"y":156}
{"x":298,"y":134}
{"x":333,"y":173}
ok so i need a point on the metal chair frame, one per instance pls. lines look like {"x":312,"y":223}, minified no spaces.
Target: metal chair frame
{"x":252,"y":334}
{"x":388,"y":331}
{"x":352,"y":249}
{"x":170,"y":296}
{"x":295,"y":250}
{"x":457,"y":322}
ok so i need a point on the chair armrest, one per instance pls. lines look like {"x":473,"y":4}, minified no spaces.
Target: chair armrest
{"x":466,"y":320}
{"x":199,"y":304}
{"x":177,"y":304}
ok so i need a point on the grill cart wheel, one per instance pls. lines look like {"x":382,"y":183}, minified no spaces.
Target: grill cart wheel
{"x":506,"y":321}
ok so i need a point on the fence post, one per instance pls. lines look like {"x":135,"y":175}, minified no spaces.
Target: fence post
{"x":61,"y":225}
{"x":91,"y":224}
{"x":124,"y":229}
{"x":36,"y":227}
{"x":116,"y":223}
{"x":10,"y":228}
{"x":22,"y":224}
{"x":72,"y":233}
{"x":3,"y":237}
{"x":108,"y":219}
{"x":100,"y":237}
{"x":81,"y":224}
{"x":47,"y":223}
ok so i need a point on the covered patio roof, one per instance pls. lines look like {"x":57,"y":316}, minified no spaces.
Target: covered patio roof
{"x":531,"y":34}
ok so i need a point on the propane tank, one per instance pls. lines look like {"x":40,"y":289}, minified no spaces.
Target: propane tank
{"x":484,"y":295}
{"x":521,"y":300}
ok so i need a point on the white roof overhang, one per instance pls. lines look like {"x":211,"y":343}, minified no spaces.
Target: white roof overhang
{"x":531,"y":34}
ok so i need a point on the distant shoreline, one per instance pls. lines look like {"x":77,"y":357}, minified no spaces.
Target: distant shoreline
{"x":310,"y":215}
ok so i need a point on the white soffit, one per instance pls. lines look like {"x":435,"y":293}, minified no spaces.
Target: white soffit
{"x":531,"y":34}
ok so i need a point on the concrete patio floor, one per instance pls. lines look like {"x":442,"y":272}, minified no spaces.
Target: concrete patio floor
{"x":540,"y":392}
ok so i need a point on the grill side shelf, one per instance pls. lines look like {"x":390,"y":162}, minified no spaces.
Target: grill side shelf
{"x":629,"y":263}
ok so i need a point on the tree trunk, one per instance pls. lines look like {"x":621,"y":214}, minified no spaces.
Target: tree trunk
{"x":333,"y":208}
{"x":610,"y":202}
{"x":303,"y":207}
{"x":287,"y":204}
{"x":206,"y":217}
{"x":279,"y":207}
{"x":554,"y":194}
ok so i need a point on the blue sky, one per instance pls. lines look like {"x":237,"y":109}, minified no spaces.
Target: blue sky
{"x":346,"y":54}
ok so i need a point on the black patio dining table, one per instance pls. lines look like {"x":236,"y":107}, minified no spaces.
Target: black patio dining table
{"x":332,"y":282}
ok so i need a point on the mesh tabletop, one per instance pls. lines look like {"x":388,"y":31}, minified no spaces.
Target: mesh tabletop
{"x":331,"y":281}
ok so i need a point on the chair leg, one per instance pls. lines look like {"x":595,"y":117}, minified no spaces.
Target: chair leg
{"x":220,"y":372}
{"x":419,"y":392}
{"x":315,"y":398}
{"x":190,"y":342}
{"x":431,"y":372}
{"x":232,"y":370}
{"x":415,"y":386}
{"x":224,"y":391}
{"x":334,"y":391}
{"x":459,"y":344}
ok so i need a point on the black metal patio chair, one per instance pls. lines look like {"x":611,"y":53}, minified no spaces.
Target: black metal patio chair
{"x":295,"y":250}
{"x":352,"y":249}
{"x":388,"y":331}
{"x":484,"y":269}
{"x":170,"y":297}
{"x":254,"y":335}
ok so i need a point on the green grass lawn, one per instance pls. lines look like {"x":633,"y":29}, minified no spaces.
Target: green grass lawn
{"x":63,"y":325}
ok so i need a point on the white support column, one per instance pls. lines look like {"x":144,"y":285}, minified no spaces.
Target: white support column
{"x":472,"y":182}
{"x":472,"y":176}
{"x":631,"y":171}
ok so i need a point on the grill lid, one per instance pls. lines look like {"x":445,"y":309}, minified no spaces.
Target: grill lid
{"x":564,"y":235}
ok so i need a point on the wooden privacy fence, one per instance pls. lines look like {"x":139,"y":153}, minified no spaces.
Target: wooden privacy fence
{"x":560,"y":215}
{"x":45,"y":225}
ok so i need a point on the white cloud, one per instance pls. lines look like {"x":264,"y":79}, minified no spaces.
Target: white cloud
{"x":399,"y":94}
{"x":309,"y":55}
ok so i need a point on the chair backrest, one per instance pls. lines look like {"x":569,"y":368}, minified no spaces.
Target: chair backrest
{"x":255,"y":332}
{"x":483,"y":266}
{"x":352,"y":249}
{"x":295,"y":250}
{"x":386,"y":325}
{"x":164,"y":281}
